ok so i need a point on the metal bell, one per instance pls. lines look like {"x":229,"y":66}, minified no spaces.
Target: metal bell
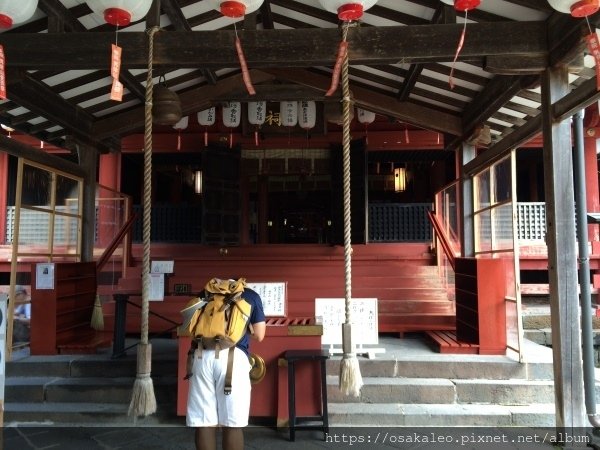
{"x":166,"y":106}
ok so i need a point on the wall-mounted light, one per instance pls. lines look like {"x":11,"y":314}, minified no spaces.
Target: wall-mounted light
{"x":198,"y":182}
{"x":400,"y":179}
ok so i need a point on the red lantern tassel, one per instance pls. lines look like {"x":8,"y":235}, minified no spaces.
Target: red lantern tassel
{"x":406,"y":138}
{"x":179,"y":141}
{"x":2,"y":75}
{"x":205,"y":137}
{"x":461,"y":42}
{"x":594,"y":48}
{"x":244,"y":66}
{"x":231,"y":139}
{"x":256,"y":137}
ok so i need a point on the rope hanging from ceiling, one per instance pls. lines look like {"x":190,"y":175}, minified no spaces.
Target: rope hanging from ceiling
{"x":143,"y":401}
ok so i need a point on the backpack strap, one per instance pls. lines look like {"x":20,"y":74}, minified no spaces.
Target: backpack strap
{"x":229,"y":373}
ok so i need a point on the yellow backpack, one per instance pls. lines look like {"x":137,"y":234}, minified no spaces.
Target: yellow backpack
{"x":222,"y":318}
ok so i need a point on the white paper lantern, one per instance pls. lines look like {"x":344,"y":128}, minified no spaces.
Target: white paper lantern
{"x":207,"y":117}
{"x":257,"y":112}
{"x":307,"y":114}
{"x":182,"y":124}
{"x":231,"y":114}
{"x":288,"y":113}
{"x":120,"y":12}
{"x":577,"y":8}
{"x":14,"y":12}
{"x":347,"y":10}
{"x":365,"y":116}
{"x":235,"y":8}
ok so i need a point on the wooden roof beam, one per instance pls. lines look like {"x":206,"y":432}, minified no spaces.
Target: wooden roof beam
{"x":276,"y":48}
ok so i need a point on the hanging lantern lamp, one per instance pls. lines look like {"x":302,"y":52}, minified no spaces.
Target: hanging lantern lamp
{"x":13,"y":12}
{"x":120,"y":12}
{"x":257,"y":116}
{"x":366,"y":118}
{"x":577,"y":8}
{"x":207,"y":118}
{"x":347,"y":10}
{"x":231,"y":118}
{"x":235,"y":8}
{"x":179,"y":126}
{"x":307,"y":114}
{"x":288,"y":113}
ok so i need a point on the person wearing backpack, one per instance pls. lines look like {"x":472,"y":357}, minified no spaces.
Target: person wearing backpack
{"x":218,"y":361}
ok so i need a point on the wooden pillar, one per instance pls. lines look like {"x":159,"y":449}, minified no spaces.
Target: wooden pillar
{"x":3,"y":195}
{"x":562,"y":255}
{"x":88,"y":160}
{"x":467,"y":231}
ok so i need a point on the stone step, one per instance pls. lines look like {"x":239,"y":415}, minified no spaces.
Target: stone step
{"x":445,"y":391}
{"x":398,"y":415}
{"x":86,"y":366}
{"x":77,"y":413}
{"x":460,"y":367}
{"x":84,"y":390}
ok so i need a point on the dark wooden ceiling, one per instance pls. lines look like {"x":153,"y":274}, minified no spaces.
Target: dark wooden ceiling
{"x":401,"y":56}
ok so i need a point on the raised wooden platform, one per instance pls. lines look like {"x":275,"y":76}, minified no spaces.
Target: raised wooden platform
{"x":446,"y":342}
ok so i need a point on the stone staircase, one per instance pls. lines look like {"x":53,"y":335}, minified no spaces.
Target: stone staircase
{"x":407,"y":385}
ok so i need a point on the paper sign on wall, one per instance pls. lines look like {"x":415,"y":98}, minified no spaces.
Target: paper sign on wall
{"x":363,"y":312}
{"x":44,"y":276}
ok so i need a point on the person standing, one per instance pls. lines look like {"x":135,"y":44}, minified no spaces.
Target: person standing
{"x":209,"y":405}
{"x":22,"y":315}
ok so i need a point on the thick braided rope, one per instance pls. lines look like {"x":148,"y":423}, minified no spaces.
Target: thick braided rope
{"x":346,"y":105}
{"x":147,"y":217}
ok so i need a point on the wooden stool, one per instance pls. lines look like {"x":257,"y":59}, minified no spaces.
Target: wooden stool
{"x":293,"y":356}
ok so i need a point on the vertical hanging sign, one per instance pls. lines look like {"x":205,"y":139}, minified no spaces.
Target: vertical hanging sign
{"x":116,"y":92}
{"x":2,"y":74}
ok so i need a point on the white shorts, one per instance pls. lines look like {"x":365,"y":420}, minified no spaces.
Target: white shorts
{"x":207,"y":403}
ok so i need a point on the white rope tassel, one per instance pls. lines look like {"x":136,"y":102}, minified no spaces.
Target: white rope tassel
{"x":143,"y":402}
{"x":350,"y":378}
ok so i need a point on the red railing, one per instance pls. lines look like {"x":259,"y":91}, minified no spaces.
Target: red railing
{"x":443,"y":239}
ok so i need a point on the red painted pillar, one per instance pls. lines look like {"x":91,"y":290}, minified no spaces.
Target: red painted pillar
{"x":110,"y":171}
{"x":109,"y":176}
{"x":3,"y":195}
